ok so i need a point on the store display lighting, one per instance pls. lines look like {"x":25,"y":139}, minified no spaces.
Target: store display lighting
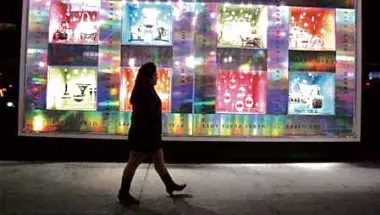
{"x":114,"y":91}
{"x":244,"y":68}
{"x":38,"y":123}
{"x":191,"y":62}
{"x":132,"y":62}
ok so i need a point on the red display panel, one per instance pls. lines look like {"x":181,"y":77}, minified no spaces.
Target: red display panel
{"x":240,"y":92}
{"x":74,"y":22}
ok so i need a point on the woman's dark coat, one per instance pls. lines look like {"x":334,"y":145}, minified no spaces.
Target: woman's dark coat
{"x":146,"y":121}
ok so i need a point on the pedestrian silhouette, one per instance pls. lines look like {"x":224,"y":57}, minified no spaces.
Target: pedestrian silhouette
{"x":144,"y":138}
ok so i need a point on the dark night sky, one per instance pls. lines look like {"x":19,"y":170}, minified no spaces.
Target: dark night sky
{"x":370,"y":48}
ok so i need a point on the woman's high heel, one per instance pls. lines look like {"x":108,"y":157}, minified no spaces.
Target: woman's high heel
{"x":170,"y":185}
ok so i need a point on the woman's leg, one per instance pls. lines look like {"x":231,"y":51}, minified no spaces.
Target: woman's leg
{"x":135,"y":159}
{"x":160,"y":166}
{"x":159,"y":162}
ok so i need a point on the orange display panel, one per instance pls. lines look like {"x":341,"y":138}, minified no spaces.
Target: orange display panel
{"x":128,"y":76}
{"x":312,"y":29}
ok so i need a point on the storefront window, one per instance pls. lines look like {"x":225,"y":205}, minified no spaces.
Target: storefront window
{"x":246,"y":70}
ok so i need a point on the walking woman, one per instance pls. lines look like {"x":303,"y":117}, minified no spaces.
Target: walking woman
{"x":145,"y":134}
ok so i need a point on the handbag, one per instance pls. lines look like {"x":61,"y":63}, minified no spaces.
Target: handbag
{"x":86,"y":27}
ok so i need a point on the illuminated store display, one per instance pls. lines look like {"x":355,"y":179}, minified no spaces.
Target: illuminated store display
{"x":149,"y":24}
{"x":128,"y":76}
{"x":311,"y":93}
{"x":242,"y":26}
{"x":312,"y":29}
{"x":226,"y":70}
{"x":71,"y":89}
{"x":74,"y":22}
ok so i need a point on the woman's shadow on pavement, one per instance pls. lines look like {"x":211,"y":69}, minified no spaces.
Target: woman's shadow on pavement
{"x":181,"y":206}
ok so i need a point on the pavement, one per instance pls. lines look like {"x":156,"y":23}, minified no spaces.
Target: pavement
{"x":213,"y":189}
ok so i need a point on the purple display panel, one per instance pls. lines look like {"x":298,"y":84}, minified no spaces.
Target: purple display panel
{"x":137,"y":55}
{"x":37,"y":52}
{"x":109,"y":56}
{"x":73,"y":55}
{"x":345,"y":57}
{"x":278,"y":65}
{"x":110,"y":23}
{"x":205,"y":41}
{"x":183,"y":52}
{"x":108,"y":91}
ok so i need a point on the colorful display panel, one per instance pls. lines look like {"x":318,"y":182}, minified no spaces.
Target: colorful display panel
{"x":312,"y":61}
{"x":242,"y":26}
{"x":74,"y":21}
{"x":241,"y":92}
{"x":71,"y":88}
{"x":149,"y":24}
{"x":312,"y":29}
{"x":128,"y":77}
{"x":311,"y":93}
{"x":225,"y":70}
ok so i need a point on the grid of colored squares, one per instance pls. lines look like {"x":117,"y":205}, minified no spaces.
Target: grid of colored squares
{"x":239,"y":89}
{"x":230,"y":61}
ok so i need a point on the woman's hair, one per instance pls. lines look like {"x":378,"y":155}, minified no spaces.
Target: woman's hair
{"x":143,"y":81}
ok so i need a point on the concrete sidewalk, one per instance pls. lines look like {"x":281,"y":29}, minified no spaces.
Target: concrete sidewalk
{"x":90,"y":188}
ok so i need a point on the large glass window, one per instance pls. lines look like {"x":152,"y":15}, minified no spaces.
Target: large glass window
{"x":226,"y":70}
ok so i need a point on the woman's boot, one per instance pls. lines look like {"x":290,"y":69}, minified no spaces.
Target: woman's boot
{"x":170,"y":185}
{"x":124,"y":197}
